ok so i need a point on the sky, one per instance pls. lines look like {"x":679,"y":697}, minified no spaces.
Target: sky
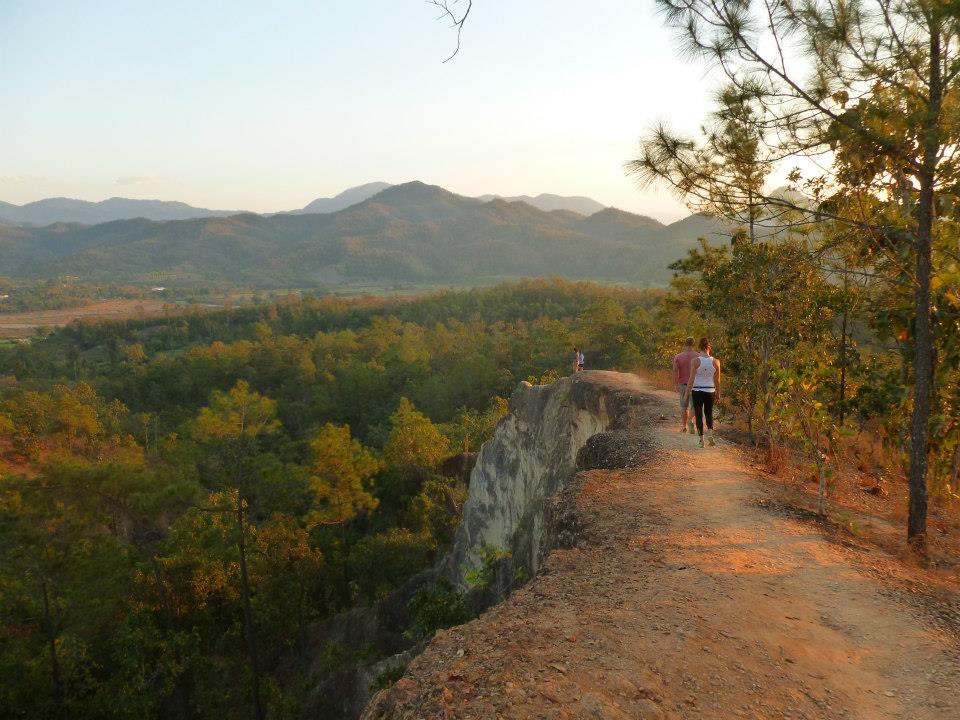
{"x":265,"y":106}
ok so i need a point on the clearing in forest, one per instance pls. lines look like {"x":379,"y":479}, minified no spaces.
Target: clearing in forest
{"x":24,"y":324}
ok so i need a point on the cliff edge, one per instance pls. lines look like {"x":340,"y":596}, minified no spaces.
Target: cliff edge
{"x":670,"y":583}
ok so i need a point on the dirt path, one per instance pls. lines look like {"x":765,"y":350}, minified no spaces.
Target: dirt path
{"x":693,"y":594}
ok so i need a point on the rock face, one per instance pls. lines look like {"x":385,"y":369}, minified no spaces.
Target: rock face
{"x":516,"y":503}
{"x":532,"y":454}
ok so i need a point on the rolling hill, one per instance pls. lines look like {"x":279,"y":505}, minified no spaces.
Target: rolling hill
{"x":410,"y":233}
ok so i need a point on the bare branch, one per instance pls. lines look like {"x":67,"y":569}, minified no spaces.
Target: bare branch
{"x":447,"y":9}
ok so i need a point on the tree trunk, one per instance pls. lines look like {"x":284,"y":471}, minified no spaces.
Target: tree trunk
{"x":923,"y":332}
{"x":346,"y":568}
{"x":842,"y":394}
{"x":903,"y":431}
{"x":922,"y":391}
{"x":955,"y":471}
{"x":821,"y":484}
{"x":52,"y":646}
{"x":765,"y":379}
{"x":248,"y":614}
{"x":183,"y":685}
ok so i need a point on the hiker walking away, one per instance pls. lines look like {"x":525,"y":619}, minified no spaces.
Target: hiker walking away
{"x":576,"y":360}
{"x":581,"y":360}
{"x":681,"y":373}
{"x":703,"y":385}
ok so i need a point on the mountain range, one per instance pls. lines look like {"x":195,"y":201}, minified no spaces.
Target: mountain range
{"x":53,"y":210}
{"x":409,"y":233}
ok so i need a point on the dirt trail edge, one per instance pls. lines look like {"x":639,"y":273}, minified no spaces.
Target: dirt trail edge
{"x":690,"y":594}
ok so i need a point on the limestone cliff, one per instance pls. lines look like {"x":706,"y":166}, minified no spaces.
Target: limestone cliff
{"x":532,"y":454}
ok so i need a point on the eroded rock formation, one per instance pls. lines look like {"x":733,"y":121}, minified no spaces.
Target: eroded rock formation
{"x":532,"y":454}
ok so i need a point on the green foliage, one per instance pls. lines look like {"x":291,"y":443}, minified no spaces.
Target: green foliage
{"x":435,"y":607}
{"x":382,"y":562}
{"x":389,"y":676}
{"x":767,"y":300}
{"x":438,"y":507}
{"x":340,"y":475}
{"x":480,"y":576}
{"x":469,"y":428}
{"x":414,"y":442}
{"x":801,"y":415}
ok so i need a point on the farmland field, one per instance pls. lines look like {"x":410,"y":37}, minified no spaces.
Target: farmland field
{"x":24,"y":324}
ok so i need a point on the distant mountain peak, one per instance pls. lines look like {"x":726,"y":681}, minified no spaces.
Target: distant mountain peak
{"x":612,"y":214}
{"x":418,"y":188}
{"x":342,"y":200}
{"x":548,"y":202}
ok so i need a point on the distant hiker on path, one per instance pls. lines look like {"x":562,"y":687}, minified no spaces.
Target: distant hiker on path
{"x":703,"y":385}
{"x":681,"y":373}
{"x":576,"y":360}
{"x":581,"y":360}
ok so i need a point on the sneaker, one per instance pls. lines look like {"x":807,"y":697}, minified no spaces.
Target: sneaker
{"x":683,"y":428}
{"x":700,"y":443}
{"x":711,"y":440}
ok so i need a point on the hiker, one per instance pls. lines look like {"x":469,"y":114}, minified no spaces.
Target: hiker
{"x":703,"y":385}
{"x":576,"y":360}
{"x":581,"y":361}
{"x":681,"y":373}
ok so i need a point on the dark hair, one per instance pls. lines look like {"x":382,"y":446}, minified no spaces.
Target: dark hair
{"x":704,"y":344}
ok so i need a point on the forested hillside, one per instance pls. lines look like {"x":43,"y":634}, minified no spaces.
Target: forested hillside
{"x":172,"y":488}
{"x":183,"y":499}
{"x":412,"y":233}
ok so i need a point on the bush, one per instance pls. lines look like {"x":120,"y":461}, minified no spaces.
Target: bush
{"x":435,"y":607}
{"x":380,"y":563}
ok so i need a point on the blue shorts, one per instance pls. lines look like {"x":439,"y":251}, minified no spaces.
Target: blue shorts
{"x":684,"y":401}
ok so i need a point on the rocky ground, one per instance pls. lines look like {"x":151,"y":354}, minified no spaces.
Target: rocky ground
{"x":692,"y":590}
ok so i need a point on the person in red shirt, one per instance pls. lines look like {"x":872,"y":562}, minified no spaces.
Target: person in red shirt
{"x":681,"y":373}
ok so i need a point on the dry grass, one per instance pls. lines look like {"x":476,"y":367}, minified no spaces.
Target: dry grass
{"x":24,"y":324}
{"x":660,"y":379}
{"x":867,"y":493}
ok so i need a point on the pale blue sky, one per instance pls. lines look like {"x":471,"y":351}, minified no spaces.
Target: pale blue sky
{"x":264,"y":106}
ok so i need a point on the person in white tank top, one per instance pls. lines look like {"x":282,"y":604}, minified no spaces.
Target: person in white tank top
{"x":704,"y":388}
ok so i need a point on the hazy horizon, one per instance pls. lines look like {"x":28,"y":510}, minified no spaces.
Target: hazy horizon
{"x":238,"y":106}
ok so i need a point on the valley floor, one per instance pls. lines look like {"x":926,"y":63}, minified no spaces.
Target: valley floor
{"x":696,"y":592}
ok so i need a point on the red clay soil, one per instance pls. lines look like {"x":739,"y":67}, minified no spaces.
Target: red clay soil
{"x":696,"y":591}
